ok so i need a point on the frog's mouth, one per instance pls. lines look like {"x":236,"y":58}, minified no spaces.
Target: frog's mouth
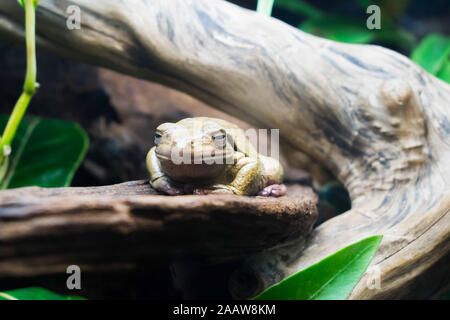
{"x":199,"y":158}
{"x":192,"y":168}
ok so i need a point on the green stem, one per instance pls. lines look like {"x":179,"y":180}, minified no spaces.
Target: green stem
{"x":30,"y":79}
{"x":30,"y":26}
{"x":265,"y":7}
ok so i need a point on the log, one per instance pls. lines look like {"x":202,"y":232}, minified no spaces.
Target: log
{"x":42,"y":231}
{"x":372,"y":117}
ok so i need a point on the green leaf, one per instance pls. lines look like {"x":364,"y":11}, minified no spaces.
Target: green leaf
{"x":444,"y":73}
{"x":299,"y":7}
{"x":45,"y":153}
{"x":333,"y":278}
{"x":395,"y":36}
{"x":338,"y":29}
{"x":432,"y":53}
{"x":34,"y":293}
{"x":265,"y":7}
{"x":365,"y":3}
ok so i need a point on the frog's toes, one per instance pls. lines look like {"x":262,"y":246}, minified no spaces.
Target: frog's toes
{"x":200,"y":191}
{"x":164,"y":185}
{"x":173,"y":191}
{"x":170,"y":190}
{"x":274,"y":190}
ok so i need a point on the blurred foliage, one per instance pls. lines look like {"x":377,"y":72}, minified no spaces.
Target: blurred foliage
{"x":433,"y":54}
{"x":351,"y":30}
{"x":33,"y":293}
{"x":46,"y":153}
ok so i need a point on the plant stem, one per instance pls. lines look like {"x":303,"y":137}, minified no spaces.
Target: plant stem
{"x":265,"y":7}
{"x":30,"y":79}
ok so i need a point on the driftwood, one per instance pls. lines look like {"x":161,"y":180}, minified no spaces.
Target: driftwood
{"x":376,"y":120}
{"x":42,"y":231}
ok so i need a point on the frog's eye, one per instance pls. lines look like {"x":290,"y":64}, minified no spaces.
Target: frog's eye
{"x":220,"y":139}
{"x":157,"y":138}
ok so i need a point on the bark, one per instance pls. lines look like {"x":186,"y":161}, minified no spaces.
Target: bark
{"x":42,"y":231}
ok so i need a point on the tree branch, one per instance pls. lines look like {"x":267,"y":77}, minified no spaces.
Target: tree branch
{"x":42,"y":231}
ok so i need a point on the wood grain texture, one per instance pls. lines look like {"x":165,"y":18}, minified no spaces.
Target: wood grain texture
{"x":42,"y":231}
{"x":376,"y":120}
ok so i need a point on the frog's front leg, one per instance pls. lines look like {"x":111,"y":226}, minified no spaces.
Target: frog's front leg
{"x":158,"y":180}
{"x":246,"y":181}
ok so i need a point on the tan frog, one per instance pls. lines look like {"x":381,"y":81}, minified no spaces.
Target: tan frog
{"x":207,"y":155}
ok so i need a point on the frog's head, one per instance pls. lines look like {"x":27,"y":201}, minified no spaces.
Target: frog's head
{"x":193,"y":149}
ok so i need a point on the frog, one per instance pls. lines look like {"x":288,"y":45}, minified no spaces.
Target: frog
{"x":203,"y":155}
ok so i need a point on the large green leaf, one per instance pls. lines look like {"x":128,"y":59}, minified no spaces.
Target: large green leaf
{"x":45,"y":153}
{"x":333,"y":278}
{"x":433,"y":53}
{"x":34,"y":293}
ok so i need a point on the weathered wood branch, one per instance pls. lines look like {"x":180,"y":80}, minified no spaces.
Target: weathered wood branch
{"x":42,"y":231}
{"x":375,"y":119}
